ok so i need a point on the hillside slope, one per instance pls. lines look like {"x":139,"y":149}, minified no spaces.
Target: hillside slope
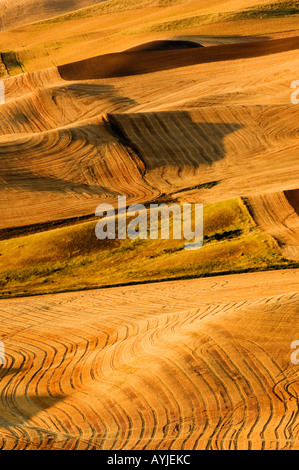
{"x":138,"y":343}
{"x":113,"y":26}
{"x":22,"y":12}
{"x":68,"y":142}
{"x":278,"y":215}
{"x":218,"y":373}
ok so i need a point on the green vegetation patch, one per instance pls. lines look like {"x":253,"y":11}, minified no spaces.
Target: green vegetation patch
{"x":72,"y":258}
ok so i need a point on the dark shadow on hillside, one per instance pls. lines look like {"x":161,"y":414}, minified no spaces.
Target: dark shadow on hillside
{"x":24,"y":178}
{"x":160,"y":140}
{"x":292,"y":196}
{"x":11,"y":62}
{"x":65,"y":109}
{"x":19,"y":165}
{"x":166,"y":45}
{"x":172,"y":138}
{"x":140,"y":62}
{"x":16,"y":409}
{"x":27,"y":180}
{"x":93,"y":92}
{"x":30,"y":174}
{"x":5,"y":371}
{"x":19,"y":406}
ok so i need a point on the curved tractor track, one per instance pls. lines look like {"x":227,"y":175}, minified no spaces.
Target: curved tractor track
{"x":67,"y":145}
{"x":50,"y":173}
{"x":77,"y":375}
{"x":199,"y":364}
{"x":277,"y":214}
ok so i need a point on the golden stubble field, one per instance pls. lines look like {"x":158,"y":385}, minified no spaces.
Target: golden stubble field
{"x":198,"y":364}
{"x":187,"y":364}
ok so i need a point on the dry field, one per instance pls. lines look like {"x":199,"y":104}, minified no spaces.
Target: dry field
{"x":146,"y":99}
{"x":73,"y":143}
{"x":22,"y":12}
{"x":277,"y":214}
{"x":198,"y":364}
{"x":117,"y":25}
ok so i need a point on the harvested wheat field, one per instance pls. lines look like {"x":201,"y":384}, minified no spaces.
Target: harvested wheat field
{"x":277,"y":214}
{"x":139,"y":344}
{"x":68,"y":146}
{"x":22,"y":12}
{"x":199,"y":364}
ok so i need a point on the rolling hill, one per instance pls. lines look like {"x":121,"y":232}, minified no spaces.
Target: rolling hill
{"x":21,"y":12}
{"x":218,"y":373}
{"x":114,"y":26}
{"x":159,"y":101}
